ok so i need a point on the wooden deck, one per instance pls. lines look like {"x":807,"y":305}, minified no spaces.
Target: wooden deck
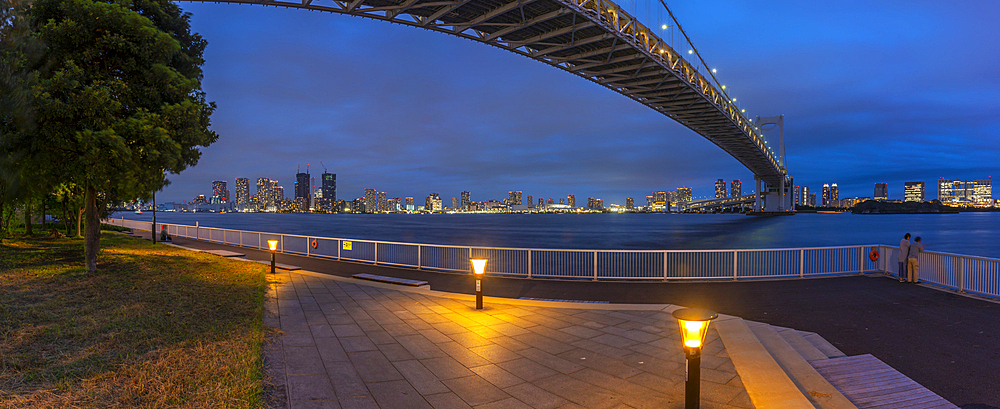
{"x":871,"y":383}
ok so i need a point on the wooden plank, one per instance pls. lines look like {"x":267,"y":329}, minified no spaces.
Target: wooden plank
{"x":872,"y":384}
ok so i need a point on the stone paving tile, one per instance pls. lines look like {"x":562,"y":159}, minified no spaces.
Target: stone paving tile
{"x":310,"y":387}
{"x":303,"y":361}
{"x":463,"y":354}
{"x":527,"y":369}
{"x":551,"y":361}
{"x":316,"y":404}
{"x":374,"y":367}
{"x":497,"y":376}
{"x":358,"y":402}
{"x":345,"y":379}
{"x":330,"y":350}
{"x":421,"y":378}
{"x":420,"y":347}
{"x":447,"y":401}
{"x":298,"y":338}
{"x":357,"y":344}
{"x":509,"y":403}
{"x":446,"y":368}
{"x":397,"y":394}
{"x":475,"y":390}
{"x":495,"y":353}
{"x":579,"y":392}
{"x":395,"y":352}
{"x":599,"y":362}
{"x":535,"y":397}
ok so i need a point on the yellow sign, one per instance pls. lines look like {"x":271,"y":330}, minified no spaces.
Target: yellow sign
{"x":347,"y":245}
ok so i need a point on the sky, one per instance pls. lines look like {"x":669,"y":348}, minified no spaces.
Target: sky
{"x":887,"y":91}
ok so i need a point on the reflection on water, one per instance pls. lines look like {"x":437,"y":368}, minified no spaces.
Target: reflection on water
{"x":965,"y":233}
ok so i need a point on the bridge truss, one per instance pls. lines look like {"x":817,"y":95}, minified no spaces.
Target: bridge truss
{"x":596,"y":40}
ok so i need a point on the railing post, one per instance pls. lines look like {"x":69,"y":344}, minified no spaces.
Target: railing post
{"x":664,"y":266}
{"x":736,"y":256}
{"x":197,"y":235}
{"x":258,"y":240}
{"x":595,"y":265}
{"x":340,"y":245}
{"x":419,"y":254}
{"x":861,"y":261}
{"x":802,"y":262}
{"x":529,"y":263}
{"x":281,"y":238}
{"x":961,"y":274}
{"x":241,"y":238}
{"x":308,"y":245}
{"x":376,"y":253}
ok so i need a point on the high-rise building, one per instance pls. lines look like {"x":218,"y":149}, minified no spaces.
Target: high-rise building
{"x":913,"y":191}
{"x":571,"y":200}
{"x":541,"y":202}
{"x":982,"y":190}
{"x":409,"y":202}
{"x":795,"y":194}
{"x":834,"y":193}
{"x":394,"y":204}
{"x":264,"y":196}
{"x":433,"y":203}
{"x":382,"y":204}
{"x":804,"y":196}
{"x":551,"y":201}
{"x":881,"y":191}
{"x":242,"y":191}
{"x":220,"y":194}
{"x":467,"y":198}
{"x":826,"y":194}
{"x":683,"y":195}
{"x":649,"y":201}
{"x":279,"y":192}
{"x":302,"y":186}
{"x":329,"y":187}
{"x":812,"y":199}
{"x":454,"y":203}
{"x":720,"y":188}
{"x":370,"y":200}
{"x":735,"y":188}
{"x":515,"y":198}
{"x":562,"y":201}
{"x":530,"y":201}
{"x":629,"y":203}
{"x":660,"y":197}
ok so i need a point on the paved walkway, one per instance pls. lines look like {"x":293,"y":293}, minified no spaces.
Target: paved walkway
{"x":944,"y":341}
{"x":347,"y":344}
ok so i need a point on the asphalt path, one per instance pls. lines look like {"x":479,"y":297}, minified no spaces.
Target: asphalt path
{"x":947,"y":342}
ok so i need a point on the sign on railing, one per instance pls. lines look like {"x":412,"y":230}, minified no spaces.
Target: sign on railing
{"x":962,"y":273}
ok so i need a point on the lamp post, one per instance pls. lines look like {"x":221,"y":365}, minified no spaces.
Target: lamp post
{"x":273,"y":245}
{"x":479,"y":269}
{"x":694,"y":326}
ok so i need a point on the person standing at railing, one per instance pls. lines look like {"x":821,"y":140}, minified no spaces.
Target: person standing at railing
{"x":904,"y":252}
{"x":915,"y":250}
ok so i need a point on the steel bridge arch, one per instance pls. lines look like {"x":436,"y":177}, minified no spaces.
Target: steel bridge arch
{"x":593,"y":39}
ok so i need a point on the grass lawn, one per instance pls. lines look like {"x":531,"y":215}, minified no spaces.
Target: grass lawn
{"x":156,"y":326}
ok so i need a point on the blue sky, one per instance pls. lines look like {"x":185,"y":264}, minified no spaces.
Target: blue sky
{"x":888,"y":91}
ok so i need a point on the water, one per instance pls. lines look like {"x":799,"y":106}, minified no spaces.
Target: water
{"x":964,"y":233}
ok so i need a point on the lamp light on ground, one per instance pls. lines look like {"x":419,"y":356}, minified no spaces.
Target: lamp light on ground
{"x":694,"y":327}
{"x":273,"y":245}
{"x":479,"y":270}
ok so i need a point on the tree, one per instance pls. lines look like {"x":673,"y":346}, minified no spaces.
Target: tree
{"x":115,"y":99}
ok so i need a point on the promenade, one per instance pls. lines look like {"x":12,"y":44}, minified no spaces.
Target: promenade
{"x":944,"y":341}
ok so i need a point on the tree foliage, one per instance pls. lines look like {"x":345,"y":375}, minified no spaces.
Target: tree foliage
{"x":115,"y":100}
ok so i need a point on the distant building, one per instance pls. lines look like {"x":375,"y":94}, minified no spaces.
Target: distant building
{"x":720,"y":189}
{"x":409,"y":204}
{"x":242,"y":191}
{"x":735,"y":188}
{"x":562,"y":201}
{"x":552,"y":201}
{"x":515,"y":198}
{"x":530,"y":201}
{"x":595,"y":204}
{"x":649,"y":201}
{"x":804,"y":196}
{"x":381,"y":205}
{"x":220,"y":194}
{"x":302,"y":190}
{"x":796,"y":194}
{"x":329,"y":187}
{"x":913,"y":191}
{"x":467,"y":198}
{"x":433,"y":203}
{"x":812,"y":199}
{"x":982,"y":191}
{"x":683,"y":195}
{"x":541,"y":202}
{"x":629,"y":203}
{"x":831,"y":195}
{"x":660,"y":197}
{"x":571,"y":200}
{"x":394,"y":204}
{"x":881,"y":191}
{"x":370,"y":200}
{"x":455,"y":203}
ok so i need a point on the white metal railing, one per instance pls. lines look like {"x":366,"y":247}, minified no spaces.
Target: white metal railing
{"x":959,"y":272}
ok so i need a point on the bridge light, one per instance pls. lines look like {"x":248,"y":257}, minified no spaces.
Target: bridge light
{"x":690,"y":51}
{"x":714,"y":71}
{"x":734,"y":99}
{"x":743,"y":111}
{"x":665,"y":27}
{"x":723,"y":87}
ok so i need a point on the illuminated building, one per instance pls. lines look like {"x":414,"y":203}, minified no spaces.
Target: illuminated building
{"x":982,"y":191}
{"x":220,"y":194}
{"x":649,"y":201}
{"x":629,"y":203}
{"x":660,"y":197}
{"x":881,"y":191}
{"x":735,"y":188}
{"x":382,"y":205}
{"x":264,"y":196}
{"x":571,"y":200}
{"x":720,"y":189}
{"x":913,"y":191}
{"x":514,"y":198}
{"x":834,"y":192}
{"x":467,"y":198}
{"x":562,"y":201}
{"x":552,"y":201}
{"x":454,"y":203}
{"x":302,"y":189}
{"x":433,"y":203}
{"x":812,"y":199}
{"x":329,"y":186}
{"x":409,"y":203}
{"x":805,"y":197}
{"x":796,"y":192}
{"x":242,"y":191}
{"x":530,"y":201}
{"x":394,"y":204}
{"x":370,"y":200}
{"x":279,"y":192}
{"x":683,"y":195}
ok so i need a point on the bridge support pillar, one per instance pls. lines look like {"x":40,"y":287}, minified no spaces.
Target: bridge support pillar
{"x":756,"y":202}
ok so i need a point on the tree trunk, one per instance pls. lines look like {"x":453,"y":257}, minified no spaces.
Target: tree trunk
{"x":92,"y":241}
{"x":27,"y":219}
{"x":79,"y":222}
{"x":65,"y":217}
{"x":152,"y":232}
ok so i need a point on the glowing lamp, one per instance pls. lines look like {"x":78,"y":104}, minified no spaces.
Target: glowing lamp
{"x":694,"y":326}
{"x":479,"y":270}
{"x":273,"y":245}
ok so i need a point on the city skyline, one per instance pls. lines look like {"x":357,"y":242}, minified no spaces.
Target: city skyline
{"x":547,"y":133}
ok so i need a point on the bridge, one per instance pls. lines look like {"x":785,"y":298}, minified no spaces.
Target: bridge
{"x":718,"y":204}
{"x":599,"y":41}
